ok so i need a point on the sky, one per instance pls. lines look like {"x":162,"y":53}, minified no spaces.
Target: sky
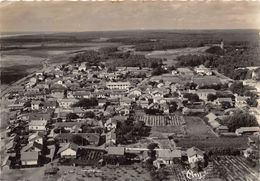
{"x":102,"y":16}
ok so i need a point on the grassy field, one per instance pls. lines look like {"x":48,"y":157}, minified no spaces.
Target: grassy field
{"x":196,"y":127}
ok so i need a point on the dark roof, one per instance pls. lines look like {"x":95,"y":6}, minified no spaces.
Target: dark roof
{"x":194,"y":151}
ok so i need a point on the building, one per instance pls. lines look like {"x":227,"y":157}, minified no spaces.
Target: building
{"x":203,"y":93}
{"x":202,"y":70}
{"x":67,"y":103}
{"x":37,"y":125}
{"x":35,"y":105}
{"x":194,"y":155}
{"x":166,"y":157}
{"x":247,"y":130}
{"x":29,"y":158}
{"x":118,"y":85}
{"x":68,"y":150}
{"x":115,"y":151}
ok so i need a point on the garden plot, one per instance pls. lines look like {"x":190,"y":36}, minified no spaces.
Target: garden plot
{"x":154,"y":120}
{"x":236,"y":168}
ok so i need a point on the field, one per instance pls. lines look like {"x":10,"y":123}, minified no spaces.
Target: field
{"x":162,"y":126}
{"x":70,"y":173}
{"x":171,"y":54}
{"x":195,"y":127}
{"x":151,"y":120}
{"x":213,"y":143}
{"x":235,"y":168}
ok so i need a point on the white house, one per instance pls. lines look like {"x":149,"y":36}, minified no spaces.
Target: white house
{"x":35,"y":105}
{"x":118,"y":85}
{"x":202,"y":70}
{"x":37,"y":125}
{"x":68,"y":150}
{"x":67,"y":103}
{"x":166,"y":157}
{"x":194,"y":155}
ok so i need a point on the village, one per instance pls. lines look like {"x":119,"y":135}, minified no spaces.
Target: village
{"x":178,"y":121}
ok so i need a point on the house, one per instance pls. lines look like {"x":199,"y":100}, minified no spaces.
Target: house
{"x":82,"y":66}
{"x":50,"y":104}
{"x":37,"y":125}
{"x":221,"y":100}
{"x":110,"y":124}
{"x":222,"y":129}
{"x":123,"y":110}
{"x":116,"y":151}
{"x":29,"y":158}
{"x":92,"y":138}
{"x":67,"y":103}
{"x":125,"y":101}
{"x":35,"y":105}
{"x":247,"y":130}
{"x":36,"y":137}
{"x":111,"y":137}
{"x":58,"y":93}
{"x":72,"y":127}
{"x":36,"y":147}
{"x":203,"y":93}
{"x":117,"y":93}
{"x":241,"y":101}
{"x":40,"y":116}
{"x":143,"y":103}
{"x":202,"y":70}
{"x":166,"y":157}
{"x":157,"y":93}
{"x":159,"y":100}
{"x":118,"y":85}
{"x":136,"y":92}
{"x":187,"y":110}
{"x":81,"y":94}
{"x":194,"y":155}
{"x":68,"y":150}
{"x":102,"y":102}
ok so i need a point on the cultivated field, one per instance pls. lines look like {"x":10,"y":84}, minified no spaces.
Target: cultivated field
{"x":154,"y":120}
{"x":236,"y":168}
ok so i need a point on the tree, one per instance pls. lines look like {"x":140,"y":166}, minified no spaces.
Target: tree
{"x":79,"y":140}
{"x":191,"y":97}
{"x":89,"y":114}
{"x":240,"y":119}
{"x":238,"y":88}
{"x":252,"y":101}
{"x":86,"y":103}
{"x":173,"y":107}
{"x":211,"y":97}
{"x":71,"y":116}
